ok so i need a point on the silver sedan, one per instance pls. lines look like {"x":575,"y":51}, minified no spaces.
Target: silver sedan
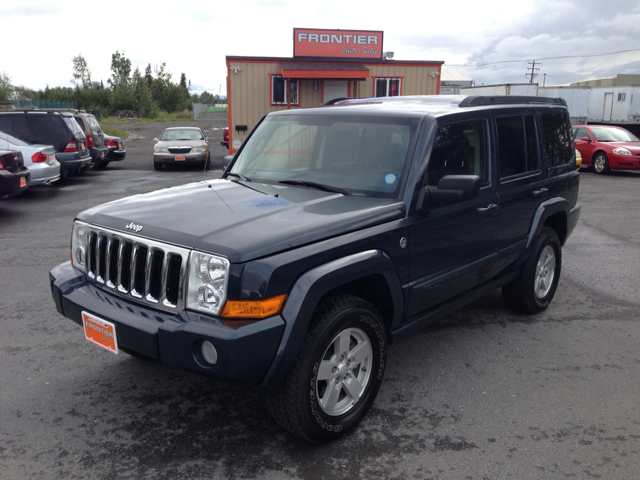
{"x":181,"y":145}
{"x":39,"y":159}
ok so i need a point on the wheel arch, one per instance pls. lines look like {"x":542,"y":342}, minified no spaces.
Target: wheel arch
{"x":370,"y":275}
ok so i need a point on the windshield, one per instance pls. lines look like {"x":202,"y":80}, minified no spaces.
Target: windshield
{"x":360,"y":155}
{"x":613,"y":135}
{"x":181,"y":134}
{"x":13,"y":140}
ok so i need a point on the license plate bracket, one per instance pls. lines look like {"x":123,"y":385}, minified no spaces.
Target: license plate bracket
{"x":179,"y":158}
{"x":100,"y":332}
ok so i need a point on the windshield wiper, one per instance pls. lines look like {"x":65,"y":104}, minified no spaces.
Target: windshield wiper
{"x":319,"y":186}
{"x":239,"y":175}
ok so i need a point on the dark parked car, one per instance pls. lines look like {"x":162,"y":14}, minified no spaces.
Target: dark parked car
{"x":95,"y":138}
{"x":14,"y":176}
{"x":50,"y":128}
{"x":604,"y":147}
{"x":116,"y":148}
{"x":333,"y":232}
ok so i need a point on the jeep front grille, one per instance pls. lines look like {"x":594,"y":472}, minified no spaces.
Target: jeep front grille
{"x":148,"y":271}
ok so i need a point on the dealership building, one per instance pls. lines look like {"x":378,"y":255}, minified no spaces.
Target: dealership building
{"x":326,"y":64}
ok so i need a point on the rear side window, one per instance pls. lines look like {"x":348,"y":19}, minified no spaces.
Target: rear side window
{"x":459,"y":149}
{"x":556,"y":139}
{"x":16,"y":125}
{"x":81,"y":123}
{"x":73,"y":125}
{"x":49,"y":129}
{"x":517,"y":145}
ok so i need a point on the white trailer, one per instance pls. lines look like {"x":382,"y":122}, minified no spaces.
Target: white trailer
{"x":616,"y":105}
{"x":526,"y":89}
{"x":577,"y":98}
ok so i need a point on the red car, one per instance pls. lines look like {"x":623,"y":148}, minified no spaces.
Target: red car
{"x":604,"y":147}
{"x":225,"y":137}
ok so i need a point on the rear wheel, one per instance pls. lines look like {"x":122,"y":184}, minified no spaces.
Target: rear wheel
{"x":601,"y":163}
{"x":337,"y":373}
{"x":534,"y":288}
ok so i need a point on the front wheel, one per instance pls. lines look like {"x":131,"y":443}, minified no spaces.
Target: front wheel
{"x":534,"y":288}
{"x":601,"y":163}
{"x":337,"y":373}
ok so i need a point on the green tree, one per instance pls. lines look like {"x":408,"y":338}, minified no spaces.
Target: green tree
{"x":120,"y":70}
{"x":81,"y":72}
{"x":144,"y":102}
{"x":6,"y":90}
{"x":148,"y":76}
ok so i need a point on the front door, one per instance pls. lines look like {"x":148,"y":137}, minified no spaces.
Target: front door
{"x":335,"y":89}
{"x":452,"y":247}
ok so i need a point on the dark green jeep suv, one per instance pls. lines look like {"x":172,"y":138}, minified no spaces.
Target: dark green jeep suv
{"x":333,"y":232}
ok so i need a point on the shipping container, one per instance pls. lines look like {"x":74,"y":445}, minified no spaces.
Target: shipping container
{"x":525,"y":89}
{"x":615,"y":105}
{"x":577,"y":98}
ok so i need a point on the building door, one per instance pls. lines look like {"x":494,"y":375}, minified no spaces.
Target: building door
{"x":608,"y":107}
{"x":335,"y":89}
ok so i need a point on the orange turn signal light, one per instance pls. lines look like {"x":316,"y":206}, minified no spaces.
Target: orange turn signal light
{"x":253,"y":309}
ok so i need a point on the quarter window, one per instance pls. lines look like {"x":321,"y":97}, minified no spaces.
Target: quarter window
{"x":517,"y":145}
{"x":558,"y":147}
{"x":387,"y":87}
{"x":279,"y":90}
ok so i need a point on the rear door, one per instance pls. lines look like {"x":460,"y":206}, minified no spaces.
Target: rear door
{"x":522,"y":186}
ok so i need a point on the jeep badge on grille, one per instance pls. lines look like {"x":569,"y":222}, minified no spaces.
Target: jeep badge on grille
{"x":134,"y":227}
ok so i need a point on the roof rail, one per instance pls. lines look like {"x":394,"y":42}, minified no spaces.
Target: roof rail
{"x":481,"y":100}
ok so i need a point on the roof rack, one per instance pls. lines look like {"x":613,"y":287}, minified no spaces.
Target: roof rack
{"x":480,"y":100}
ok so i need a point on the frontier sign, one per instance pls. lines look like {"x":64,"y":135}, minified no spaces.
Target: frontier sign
{"x":308,"y":42}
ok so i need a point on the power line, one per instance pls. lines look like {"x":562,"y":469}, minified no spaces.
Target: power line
{"x":547,"y":58}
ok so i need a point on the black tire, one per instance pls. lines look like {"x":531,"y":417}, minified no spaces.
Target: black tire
{"x":157,"y":166}
{"x":302,"y":404}
{"x":600,"y":163}
{"x":534,"y":288}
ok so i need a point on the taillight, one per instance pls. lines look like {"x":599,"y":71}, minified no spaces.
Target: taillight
{"x":89,"y":140}
{"x":112,"y":143}
{"x":39,"y":157}
{"x":1,"y":165}
{"x":71,"y":147}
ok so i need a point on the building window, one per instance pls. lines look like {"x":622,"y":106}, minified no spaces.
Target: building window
{"x":387,"y":87}
{"x":279,"y":90}
{"x":622,"y":97}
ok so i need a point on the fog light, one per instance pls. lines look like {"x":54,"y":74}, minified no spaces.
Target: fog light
{"x":209,"y":352}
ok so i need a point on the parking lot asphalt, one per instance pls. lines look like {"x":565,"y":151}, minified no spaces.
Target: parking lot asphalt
{"x":485,"y":393}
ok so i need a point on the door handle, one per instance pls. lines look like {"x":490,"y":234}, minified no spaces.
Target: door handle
{"x":487,"y":208}
{"x":542,"y":191}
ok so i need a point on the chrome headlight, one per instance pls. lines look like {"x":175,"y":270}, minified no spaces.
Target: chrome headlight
{"x":79,"y":241}
{"x":207,"y":289}
{"x":200,"y":149}
{"x":160,"y":150}
{"x":622,"y":151}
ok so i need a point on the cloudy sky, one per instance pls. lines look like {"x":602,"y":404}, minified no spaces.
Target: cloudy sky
{"x":491,"y":41}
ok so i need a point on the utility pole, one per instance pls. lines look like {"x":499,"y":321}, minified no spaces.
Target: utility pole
{"x":533,"y":73}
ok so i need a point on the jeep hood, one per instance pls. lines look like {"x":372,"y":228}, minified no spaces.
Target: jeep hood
{"x":242,"y":221}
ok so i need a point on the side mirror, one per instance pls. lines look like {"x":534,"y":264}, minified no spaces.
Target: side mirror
{"x":450,"y":189}
{"x":156,"y":139}
{"x":585,"y":139}
{"x":207,"y":139}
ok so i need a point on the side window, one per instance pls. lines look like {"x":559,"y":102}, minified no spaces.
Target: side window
{"x":387,"y":87}
{"x":16,"y":125}
{"x":459,"y":149}
{"x":517,"y":145}
{"x":279,"y":90}
{"x":581,"y":133}
{"x":556,"y":139}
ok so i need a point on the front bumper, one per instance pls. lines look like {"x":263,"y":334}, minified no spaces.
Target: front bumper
{"x":244,"y":354}
{"x":170,"y":158}
{"x":628,"y":162}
